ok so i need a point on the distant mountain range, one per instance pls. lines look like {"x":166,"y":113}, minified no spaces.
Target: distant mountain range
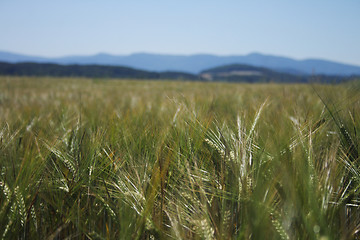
{"x":196,"y":63}
{"x":228,"y":73}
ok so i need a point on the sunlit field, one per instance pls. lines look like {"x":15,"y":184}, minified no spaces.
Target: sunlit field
{"x":127,"y":159}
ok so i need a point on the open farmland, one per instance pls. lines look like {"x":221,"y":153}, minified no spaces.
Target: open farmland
{"x":125,"y":159}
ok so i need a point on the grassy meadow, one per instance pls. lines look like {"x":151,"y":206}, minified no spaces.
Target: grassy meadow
{"x":126,"y":159}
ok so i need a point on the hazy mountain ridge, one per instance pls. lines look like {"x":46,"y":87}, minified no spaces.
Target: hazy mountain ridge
{"x":196,"y":63}
{"x":227,"y":73}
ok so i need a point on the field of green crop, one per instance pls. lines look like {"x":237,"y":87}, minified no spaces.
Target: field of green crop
{"x":126,"y":159}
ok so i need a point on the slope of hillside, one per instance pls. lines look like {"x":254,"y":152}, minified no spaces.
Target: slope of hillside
{"x":93,"y":71}
{"x":227,"y":73}
{"x":251,"y":74}
{"x":196,"y":63}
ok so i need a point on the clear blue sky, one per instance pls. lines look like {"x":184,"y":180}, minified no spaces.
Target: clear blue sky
{"x":323,"y":29}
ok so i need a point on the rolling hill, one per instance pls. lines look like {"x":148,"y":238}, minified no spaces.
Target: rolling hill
{"x":196,"y":63}
{"x":227,"y":73}
{"x":251,"y":74}
{"x":92,"y":71}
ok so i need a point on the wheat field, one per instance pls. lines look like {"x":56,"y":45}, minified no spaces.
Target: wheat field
{"x":136,"y":159}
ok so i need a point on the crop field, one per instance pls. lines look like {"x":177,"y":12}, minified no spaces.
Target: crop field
{"x":126,"y":159}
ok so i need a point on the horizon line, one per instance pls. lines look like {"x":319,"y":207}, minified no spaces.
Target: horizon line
{"x":180,"y":55}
